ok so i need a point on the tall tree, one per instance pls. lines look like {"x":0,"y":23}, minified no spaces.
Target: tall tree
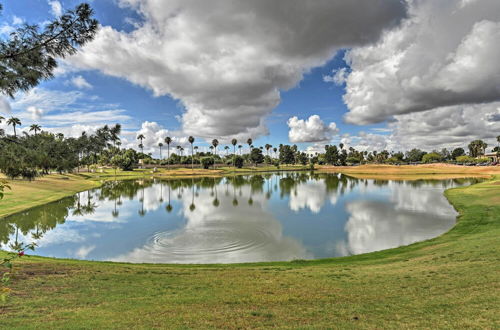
{"x":191,"y":141}
{"x":268,"y":146}
{"x":13,"y":121}
{"x":141,"y":137}
{"x":29,"y":56}
{"x":249,"y":142}
{"x":215,"y":143}
{"x":168,"y":140}
{"x":35,"y":128}
{"x":234,"y":142}
{"x":477,"y":148}
{"x":160,"y":145}
{"x":114,"y":133}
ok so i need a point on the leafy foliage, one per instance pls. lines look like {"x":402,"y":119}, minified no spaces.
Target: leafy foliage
{"x":29,"y":56}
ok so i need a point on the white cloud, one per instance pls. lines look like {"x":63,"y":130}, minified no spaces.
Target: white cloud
{"x":80,"y":82}
{"x":444,"y":54}
{"x":46,"y":99}
{"x":448,"y":127}
{"x":17,"y":20}
{"x":35,"y":113}
{"x":55,"y":8}
{"x":154,"y":133}
{"x":220,"y":234}
{"x":228,"y":61}
{"x":83,"y":251}
{"x":4,"y":105}
{"x":312,"y":129}
{"x":338,"y":78}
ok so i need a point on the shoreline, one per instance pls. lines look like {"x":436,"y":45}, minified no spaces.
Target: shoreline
{"x":447,"y":281}
{"x":54,"y":187}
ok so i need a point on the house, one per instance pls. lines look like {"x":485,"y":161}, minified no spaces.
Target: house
{"x":493,"y":156}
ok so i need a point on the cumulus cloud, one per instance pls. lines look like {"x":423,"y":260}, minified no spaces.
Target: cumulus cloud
{"x":80,"y":82}
{"x":154,"y":133}
{"x":448,"y":127}
{"x":312,"y":129}
{"x":376,"y":225}
{"x":35,"y":113}
{"x":228,"y":61}
{"x":338,"y":76}
{"x":17,"y":20}
{"x":445,"y":54}
{"x":55,"y":8}
{"x":4,"y":105}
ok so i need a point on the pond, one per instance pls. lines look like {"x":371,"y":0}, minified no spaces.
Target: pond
{"x":270,"y":217}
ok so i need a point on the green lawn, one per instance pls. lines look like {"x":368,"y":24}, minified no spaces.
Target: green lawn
{"x":452,"y":281}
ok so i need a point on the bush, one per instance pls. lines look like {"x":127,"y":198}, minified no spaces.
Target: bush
{"x":206,"y":162}
{"x":465,"y":159}
{"x":433,"y":157}
{"x":238,"y":161}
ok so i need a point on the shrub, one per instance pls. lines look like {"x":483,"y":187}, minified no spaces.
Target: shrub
{"x":206,"y":162}
{"x":238,"y":161}
{"x":432,"y":157}
{"x":465,"y":159}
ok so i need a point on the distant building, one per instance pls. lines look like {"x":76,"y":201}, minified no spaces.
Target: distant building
{"x":493,"y":156}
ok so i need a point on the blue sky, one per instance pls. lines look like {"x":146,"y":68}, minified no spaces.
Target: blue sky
{"x":380,"y":110}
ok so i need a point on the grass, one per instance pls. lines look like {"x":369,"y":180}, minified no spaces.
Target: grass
{"x":448,"y":282}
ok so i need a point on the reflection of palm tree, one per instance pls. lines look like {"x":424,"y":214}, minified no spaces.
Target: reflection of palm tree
{"x":216,"y":202}
{"x":235,"y":201}
{"x":192,"y":207}
{"x":169,"y":206}
{"x":78,"y":210}
{"x":115,"y":212}
{"x":161,"y":193}
{"x":142,"y":212}
{"x":90,"y":207}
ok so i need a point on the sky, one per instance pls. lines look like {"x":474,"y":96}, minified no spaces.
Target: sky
{"x":394,"y":75}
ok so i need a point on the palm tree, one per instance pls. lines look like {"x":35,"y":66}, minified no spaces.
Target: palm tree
{"x":168,"y":140}
{"x":226,"y":148}
{"x":114,"y":133}
{"x":498,"y":144}
{"x":239,"y":148}
{"x":179,"y":150}
{"x":160,"y":145}
{"x":14,"y":122}
{"x":60,"y":136}
{"x":1,"y":118}
{"x":215,"y":143}
{"x":191,"y":141}
{"x":234,"y":142}
{"x":35,"y":128}
{"x":268,"y":146}
{"x":141,"y":137}
{"x":275,"y":151}
{"x":249,"y":142}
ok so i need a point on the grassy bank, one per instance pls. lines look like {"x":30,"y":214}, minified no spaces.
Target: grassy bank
{"x":448,"y":282}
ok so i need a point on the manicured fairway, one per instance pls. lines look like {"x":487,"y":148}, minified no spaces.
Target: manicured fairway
{"x":452,"y":281}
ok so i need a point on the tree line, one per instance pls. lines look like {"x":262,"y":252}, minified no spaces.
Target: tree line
{"x":28,"y":155}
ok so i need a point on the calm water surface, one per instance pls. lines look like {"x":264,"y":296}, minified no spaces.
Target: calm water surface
{"x":236,"y":219}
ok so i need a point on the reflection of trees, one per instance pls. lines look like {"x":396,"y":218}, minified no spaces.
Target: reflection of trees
{"x":36,"y":221}
{"x":169,"y":207}
{"x":142,"y":211}
{"x":192,"y":207}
